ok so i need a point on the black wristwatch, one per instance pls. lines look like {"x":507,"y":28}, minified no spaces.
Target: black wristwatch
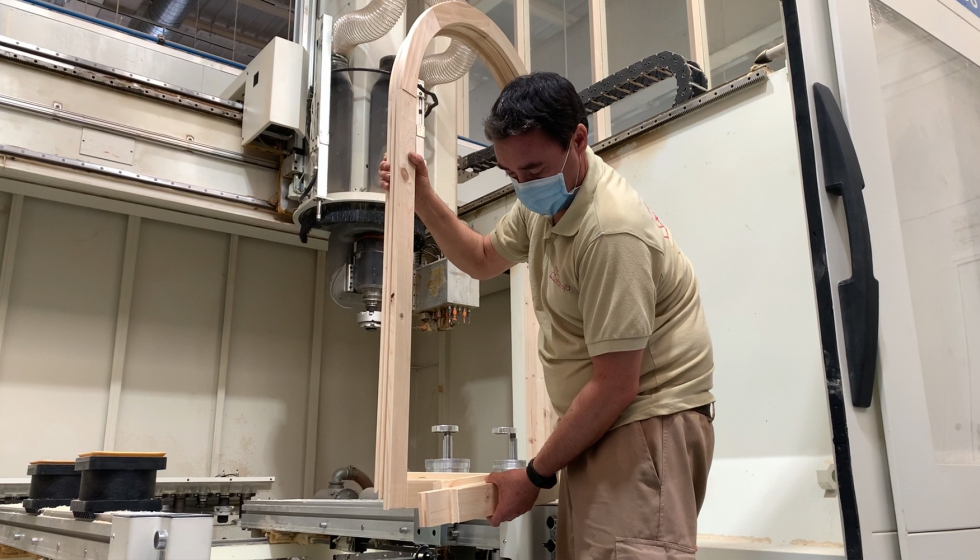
{"x":542,"y":482}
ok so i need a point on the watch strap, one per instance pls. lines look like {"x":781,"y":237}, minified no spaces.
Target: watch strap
{"x":545,"y":483}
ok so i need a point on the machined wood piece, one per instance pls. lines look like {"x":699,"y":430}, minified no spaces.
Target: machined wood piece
{"x":455,"y":505}
{"x":456,"y":20}
{"x":457,"y":497}
{"x":540,"y":414}
{"x":446,"y":478}
{"x":425,"y":482}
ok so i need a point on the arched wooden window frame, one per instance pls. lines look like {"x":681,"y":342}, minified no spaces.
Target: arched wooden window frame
{"x":457,"y":20}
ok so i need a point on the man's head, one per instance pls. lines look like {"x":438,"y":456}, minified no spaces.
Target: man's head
{"x":536,"y":121}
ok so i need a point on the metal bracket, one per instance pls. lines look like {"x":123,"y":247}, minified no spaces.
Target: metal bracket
{"x":443,"y":535}
{"x":827,"y":479}
{"x":321,"y":105}
{"x":420,"y":122}
{"x":463,"y":175}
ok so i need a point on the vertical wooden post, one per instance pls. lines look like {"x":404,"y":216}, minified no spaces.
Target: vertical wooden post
{"x":441,"y":136}
{"x":463,"y":106}
{"x":518,"y":363}
{"x":697,"y":32}
{"x":541,"y":415}
{"x":522,"y":30}
{"x":600,"y":62}
{"x":122,"y":332}
{"x":396,"y":308}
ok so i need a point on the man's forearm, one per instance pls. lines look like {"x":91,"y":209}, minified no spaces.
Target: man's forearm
{"x":589,"y":417}
{"x":460,"y":244}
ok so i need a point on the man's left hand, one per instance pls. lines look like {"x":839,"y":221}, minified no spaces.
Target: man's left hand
{"x":515,"y":495}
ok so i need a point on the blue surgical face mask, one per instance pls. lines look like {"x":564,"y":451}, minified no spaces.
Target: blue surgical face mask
{"x":547,"y":195}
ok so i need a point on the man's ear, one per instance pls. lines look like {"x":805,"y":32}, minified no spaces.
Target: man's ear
{"x":580,"y":139}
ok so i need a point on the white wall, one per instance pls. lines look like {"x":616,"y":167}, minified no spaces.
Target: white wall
{"x":173,"y":345}
{"x":348,"y":394}
{"x":61,"y":342}
{"x":57,"y":346}
{"x":60,"y":333}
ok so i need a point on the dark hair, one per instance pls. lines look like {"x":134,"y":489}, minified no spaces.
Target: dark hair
{"x":540,"y":100}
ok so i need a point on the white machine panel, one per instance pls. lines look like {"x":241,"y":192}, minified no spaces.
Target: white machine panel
{"x":273,"y":86}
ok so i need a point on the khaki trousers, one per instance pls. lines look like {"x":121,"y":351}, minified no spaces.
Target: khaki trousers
{"x":636,"y":493}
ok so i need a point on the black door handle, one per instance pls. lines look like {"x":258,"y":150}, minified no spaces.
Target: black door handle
{"x":859,"y":293}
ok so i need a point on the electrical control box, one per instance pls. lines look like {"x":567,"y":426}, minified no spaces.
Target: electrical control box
{"x":272,"y":89}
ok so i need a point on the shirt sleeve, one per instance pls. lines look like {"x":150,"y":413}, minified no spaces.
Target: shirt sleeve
{"x":618,"y":293}
{"x":510,"y":238}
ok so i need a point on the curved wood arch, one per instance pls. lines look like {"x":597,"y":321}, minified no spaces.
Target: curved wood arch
{"x":456,"y":20}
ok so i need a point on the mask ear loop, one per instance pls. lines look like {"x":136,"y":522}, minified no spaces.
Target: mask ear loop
{"x":568,"y":151}
{"x":577,"y":183}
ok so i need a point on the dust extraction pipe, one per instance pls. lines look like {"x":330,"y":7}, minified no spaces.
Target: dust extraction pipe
{"x":350,"y":473}
{"x":370,"y":23}
{"x":375,"y":20}
{"x":449,"y":65}
{"x":167,"y":13}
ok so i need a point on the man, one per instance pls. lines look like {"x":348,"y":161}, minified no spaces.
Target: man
{"x":624,"y":346}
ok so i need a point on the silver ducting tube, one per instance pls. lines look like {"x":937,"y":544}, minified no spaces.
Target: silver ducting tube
{"x":449,"y":65}
{"x":370,"y":23}
{"x":167,"y":13}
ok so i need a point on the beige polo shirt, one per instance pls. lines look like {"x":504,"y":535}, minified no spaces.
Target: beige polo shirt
{"x":610,"y":278}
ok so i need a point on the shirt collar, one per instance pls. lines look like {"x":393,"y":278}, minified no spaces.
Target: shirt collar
{"x":569,"y":223}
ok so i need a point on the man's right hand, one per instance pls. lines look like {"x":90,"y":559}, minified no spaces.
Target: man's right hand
{"x":466,"y":248}
{"x":422,"y":184}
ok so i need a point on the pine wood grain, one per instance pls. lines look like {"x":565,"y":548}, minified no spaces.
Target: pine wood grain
{"x":460,"y":21}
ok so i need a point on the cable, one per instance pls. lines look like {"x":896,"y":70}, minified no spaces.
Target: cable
{"x":435,"y":101}
{"x":309,"y":187}
{"x":375,"y":70}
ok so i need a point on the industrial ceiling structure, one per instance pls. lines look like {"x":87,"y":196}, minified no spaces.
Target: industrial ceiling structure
{"x":232,"y":29}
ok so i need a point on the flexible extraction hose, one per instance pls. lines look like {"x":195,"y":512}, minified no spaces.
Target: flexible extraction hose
{"x":449,"y":65}
{"x":350,"y":473}
{"x":370,"y":23}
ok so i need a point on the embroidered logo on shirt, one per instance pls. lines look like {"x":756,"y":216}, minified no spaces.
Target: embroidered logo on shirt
{"x":656,"y":218}
{"x":557,"y":280}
